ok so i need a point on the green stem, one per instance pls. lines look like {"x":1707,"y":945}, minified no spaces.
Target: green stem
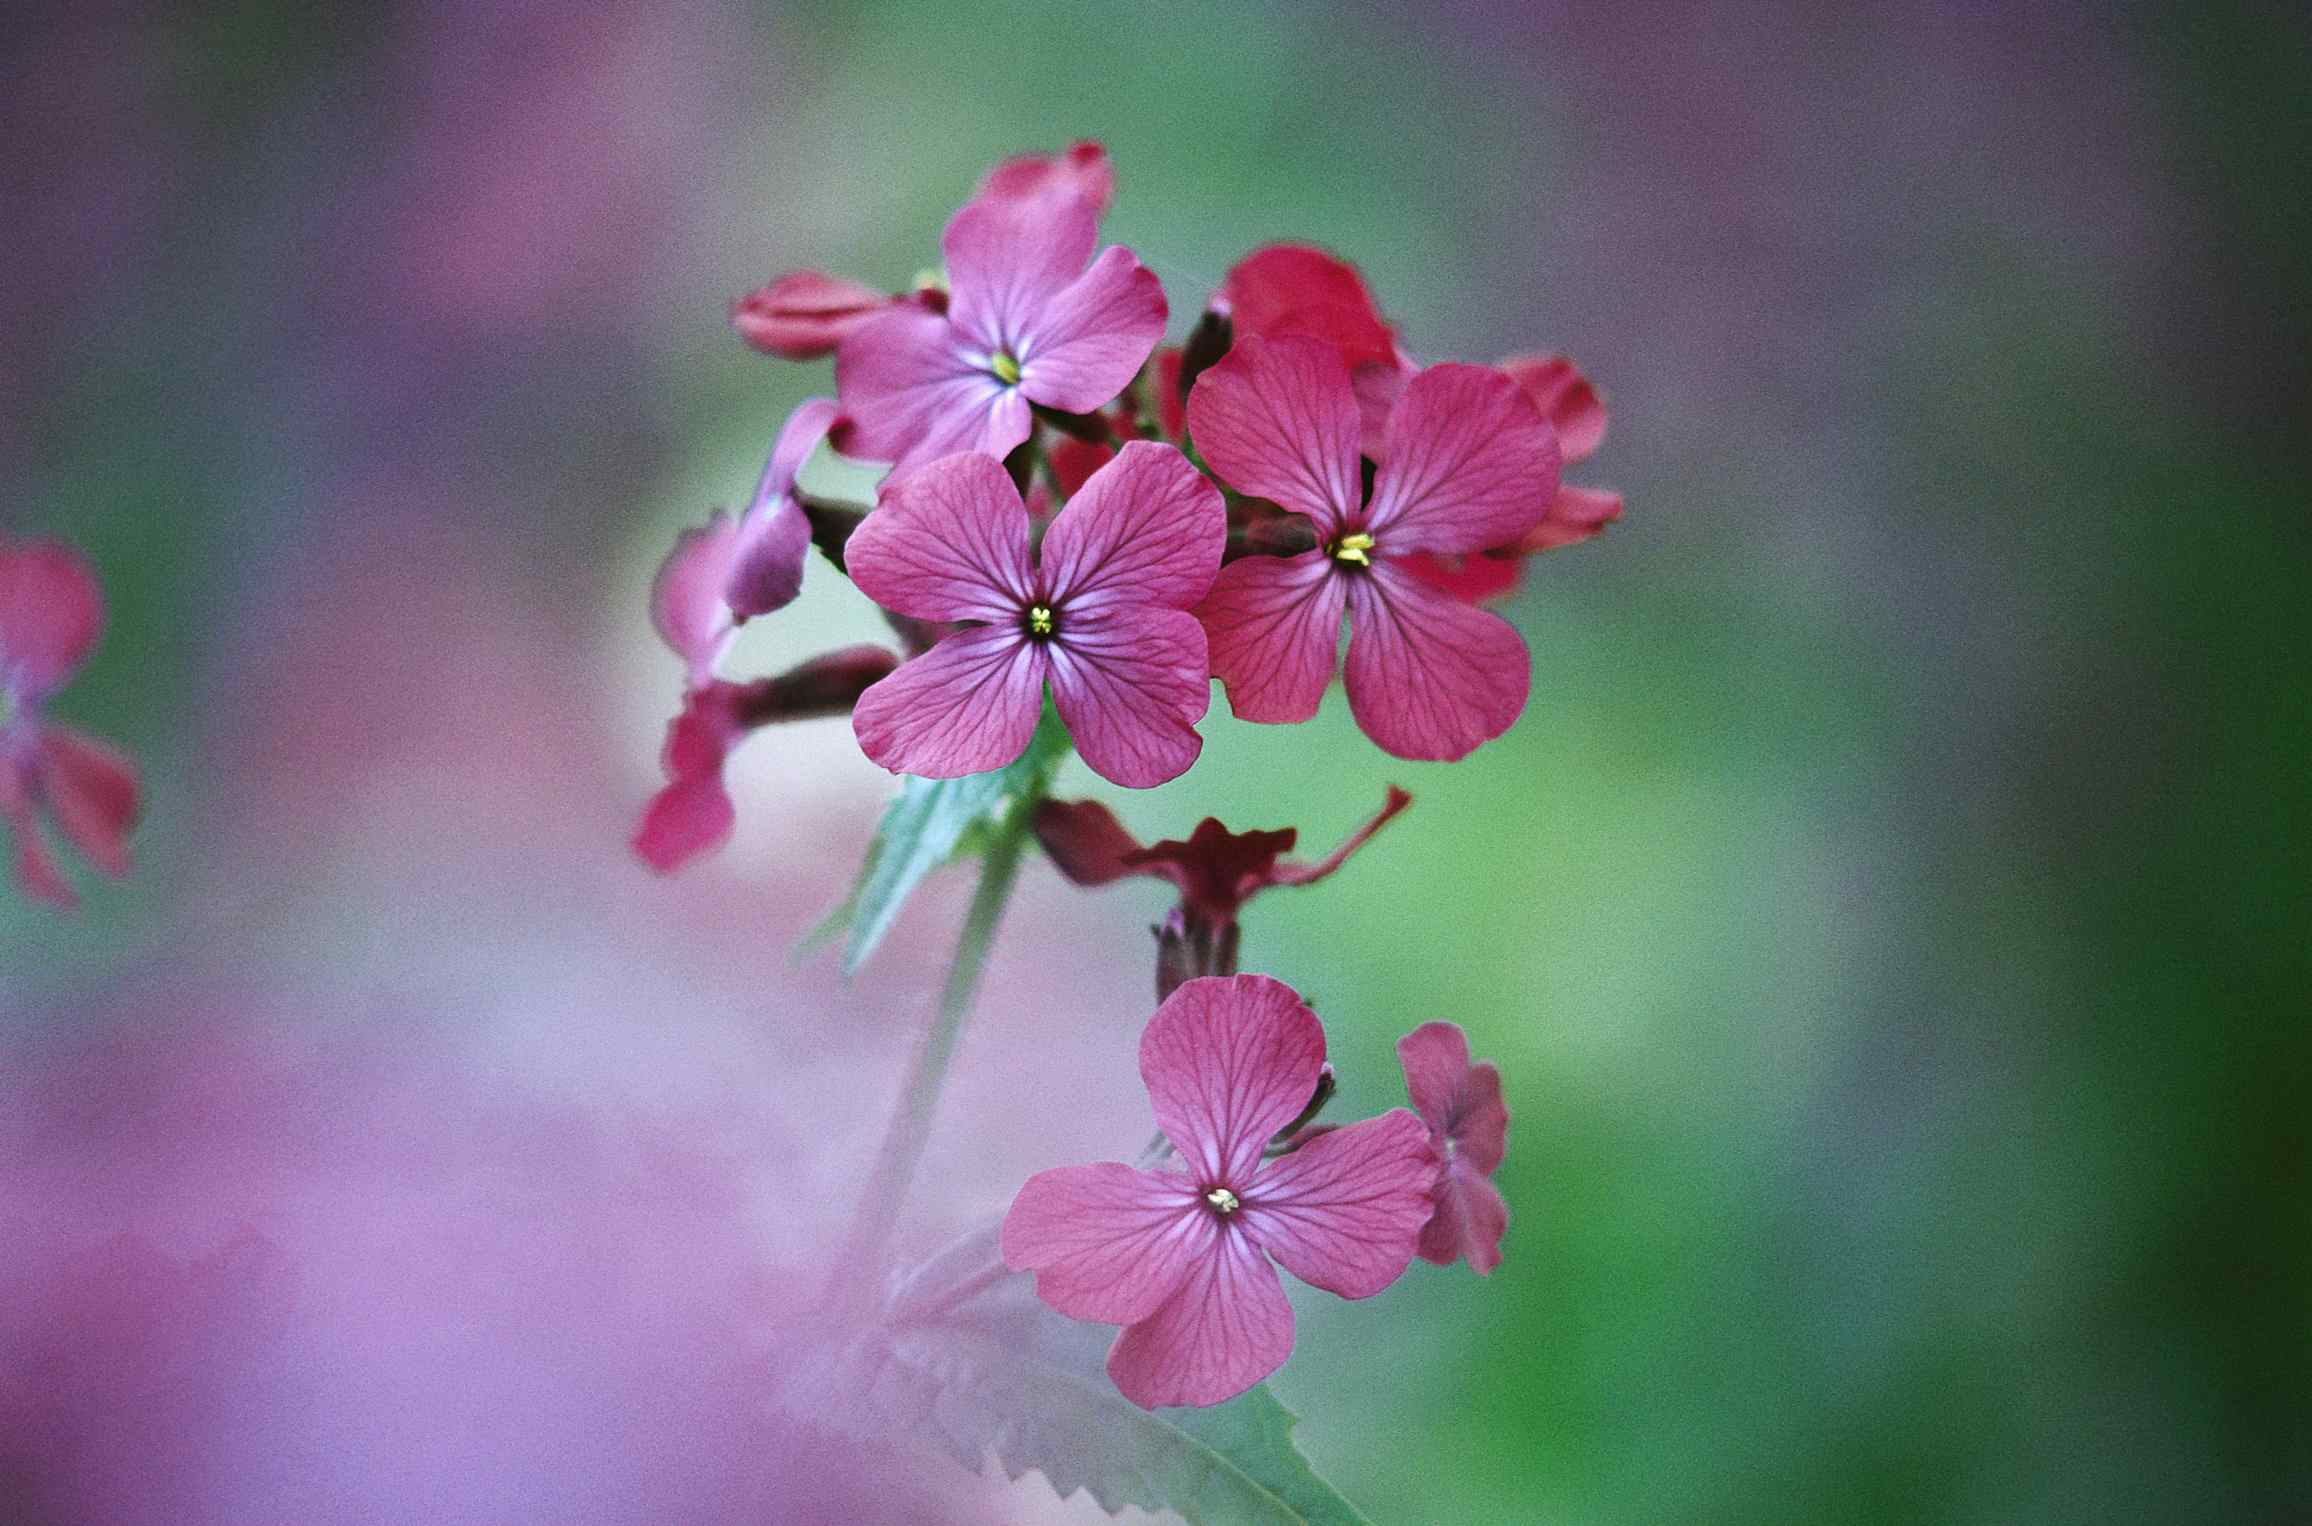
{"x":860,"y":1266}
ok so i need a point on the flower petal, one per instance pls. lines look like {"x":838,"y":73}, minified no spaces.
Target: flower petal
{"x":1565,"y":398}
{"x":1274,"y":623}
{"x":688,"y":818}
{"x":1430,"y":678}
{"x":1107,"y":1242}
{"x":1344,"y":1211}
{"x":913,"y":390}
{"x":1083,"y":170}
{"x":966,"y":706}
{"x":1300,"y":289}
{"x":51,"y":612}
{"x":1469,"y":1222}
{"x":1470,"y":464}
{"x":1228,"y":1327}
{"x":1085,"y":343}
{"x":1131,"y":683}
{"x":947,"y":541}
{"x":804,"y":315}
{"x":1466,"y":578}
{"x":1461,"y":1101}
{"x":1007,"y":258}
{"x":773,"y":537}
{"x":91,"y":790}
{"x":1574,"y":516}
{"x":1276,"y":419}
{"x":1228,"y":1061}
{"x":686,"y":596}
{"x":1086,"y":842}
{"x":1148,"y":528}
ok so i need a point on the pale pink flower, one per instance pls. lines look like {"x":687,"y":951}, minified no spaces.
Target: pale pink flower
{"x":1182,"y":1258}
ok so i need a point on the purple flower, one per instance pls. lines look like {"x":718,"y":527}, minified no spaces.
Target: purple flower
{"x":51,"y":613}
{"x":1026,"y":322}
{"x":1469,"y":1125}
{"x":1182,"y":1258}
{"x":1102,"y":617}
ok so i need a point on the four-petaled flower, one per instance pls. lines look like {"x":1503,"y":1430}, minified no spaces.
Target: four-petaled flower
{"x":1102,"y":616}
{"x":1470,"y":464}
{"x":51,"y":613}
{"x":1469,"y":1125}
{"x":1181,"y":1257}
{"x":1216,"y":871}
{"x":1026,"y":322}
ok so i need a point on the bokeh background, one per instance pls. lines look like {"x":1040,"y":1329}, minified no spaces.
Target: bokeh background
{"x":1890,"y":915}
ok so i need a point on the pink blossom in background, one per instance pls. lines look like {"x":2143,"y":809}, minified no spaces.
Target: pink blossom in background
{"x":51,"y":614}
{"x":1101,"y":616}
{"x":1181,"y":1257}
{"x":1083,"y":169}
{"x":1032,"y":318}
{"x":1469,"y":1125}
{"x":804,"y":315}
{"x":1470,"y":465}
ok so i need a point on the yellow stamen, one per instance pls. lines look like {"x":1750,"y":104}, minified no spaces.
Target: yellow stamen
{"x":1223,"y":1201}
{"x":1006,"y":368}
{"x":1355,"y":549}
{"x":1040,"y":620}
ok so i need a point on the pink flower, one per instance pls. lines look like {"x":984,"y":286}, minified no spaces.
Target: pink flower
{"x":1027,"y":322}
{"x":1082,"y":170}
{"x":1181,"y":1258}
{"x":1565,"y":398}
{"x":1299,"y":290}
{"x":805,"y":314}
{"x":693,"y":814}
{"x":1469,"y":1126}
{"x":51,"y":613}
{"x":1102,"y":617}
{"x":1216,"y":871}
{"x":1470,"y":464}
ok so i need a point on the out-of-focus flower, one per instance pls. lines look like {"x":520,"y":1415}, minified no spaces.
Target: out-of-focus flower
{"x":1181,"y":1257}
{"x":51,"y":614}
{"x":1216,"y":871}
{"x":1032,"y":318}
{"x":693,"y":814}
{"x":1082,"y":170}
{"x":726,"y":572}
{"x":1102,"y":617}
{"x":1470,"y":465}
{"x":1469,"y":1126}
{"x":805,"y":314}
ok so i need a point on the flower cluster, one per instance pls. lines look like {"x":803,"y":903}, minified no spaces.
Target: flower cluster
{"x":1077,"y":514}
{"x":51,"y":613}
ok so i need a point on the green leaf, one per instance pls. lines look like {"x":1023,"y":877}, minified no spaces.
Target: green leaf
{"x":931,"y":822}
{"x":996,"y":1372}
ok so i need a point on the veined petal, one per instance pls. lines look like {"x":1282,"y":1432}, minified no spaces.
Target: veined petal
{"x":1564,"y":397}
{"x":1148,"y":528}
{"x":1132,"y":682}
{"x":1086,"y":342}
{"x":966,"y":706}
{"x":91,"y":790}
{"x":947,"y":541}
{"x":1008,"y":257}
{"x":1427,"y":677}
{"x":1469,"y":1221}
{"x":51,"y":612}
{"x":1227,"y":1327}
{"x":1344,"y":1211}
{"x":1275,"y":629}
{"x":1470,"y":464}
{"x":913,"y":389}
{"x":1228,"y":1061}
{"x":1107,"y":1242}
{"x":1276,"y":419}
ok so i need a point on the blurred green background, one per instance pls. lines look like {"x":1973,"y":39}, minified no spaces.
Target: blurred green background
{"x":1890,"y":916}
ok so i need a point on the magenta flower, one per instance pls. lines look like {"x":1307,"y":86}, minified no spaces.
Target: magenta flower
{"x":51,"y":613}
{"x":1102,"y":617}
{"x":1216,"y":871}
{"x":1470,"y":464}
{"x":1181,"y":1257}
{"x":1027,"y":322}
{"x":1469,"y":1126}
{"x":805,"y":314}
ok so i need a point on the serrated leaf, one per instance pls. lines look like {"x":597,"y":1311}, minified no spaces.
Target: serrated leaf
{"x":930,"y":822}
{"x":998,"y":1373}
